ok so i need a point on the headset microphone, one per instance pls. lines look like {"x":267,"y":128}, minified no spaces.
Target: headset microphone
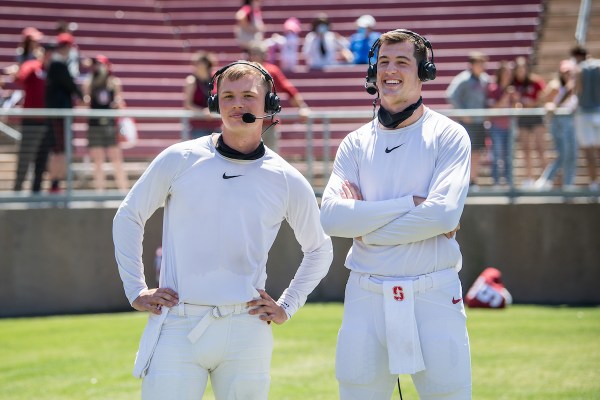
{"x":250,"y":118}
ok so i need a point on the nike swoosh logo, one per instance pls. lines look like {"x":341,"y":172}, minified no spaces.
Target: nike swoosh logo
{"x":456,"y":301}
{"x":225,"y":176}
{"x":392,"y":149}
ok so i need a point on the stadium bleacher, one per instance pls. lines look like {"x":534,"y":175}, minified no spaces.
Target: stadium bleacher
{"x":150,"y":43}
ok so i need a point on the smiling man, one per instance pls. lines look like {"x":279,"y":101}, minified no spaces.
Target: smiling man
{"x":225,"y":197}
{"x":398,"y":189}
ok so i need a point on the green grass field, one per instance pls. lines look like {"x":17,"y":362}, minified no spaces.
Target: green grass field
{"x":524,"y":352}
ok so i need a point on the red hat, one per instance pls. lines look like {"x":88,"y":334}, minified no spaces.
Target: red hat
{"x":567,"y":66}
{"x":292,"y":24}
{"x":65,"y":38}
{"x":32,"y":33}
{"x":102,"y":59}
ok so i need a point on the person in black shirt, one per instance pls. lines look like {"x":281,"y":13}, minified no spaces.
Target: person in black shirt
{"x":60,"y":90}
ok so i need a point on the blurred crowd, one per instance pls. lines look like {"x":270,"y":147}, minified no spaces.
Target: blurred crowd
{"x":575,"y":89}
{"x":51,"y":73}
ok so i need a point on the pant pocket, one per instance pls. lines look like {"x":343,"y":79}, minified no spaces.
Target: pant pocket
{"x":354,"y":357}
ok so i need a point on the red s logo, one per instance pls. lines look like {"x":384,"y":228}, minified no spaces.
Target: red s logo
{"x":398,"y":293}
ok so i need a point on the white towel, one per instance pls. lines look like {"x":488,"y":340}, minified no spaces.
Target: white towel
{"x":404,"y":346}
{"x":148,"y":343}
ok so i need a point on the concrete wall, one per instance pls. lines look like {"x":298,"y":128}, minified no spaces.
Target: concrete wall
{"x":55,"y":261}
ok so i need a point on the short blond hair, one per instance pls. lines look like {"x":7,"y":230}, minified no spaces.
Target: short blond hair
{"x":240,"y":69}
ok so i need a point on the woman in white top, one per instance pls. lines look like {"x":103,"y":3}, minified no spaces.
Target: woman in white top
{"x":561,"y":93}
{"x":323,"y":47}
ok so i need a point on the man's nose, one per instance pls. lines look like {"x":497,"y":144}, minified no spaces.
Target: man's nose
{"x":237,"y":102}
{"x":390,"y":68}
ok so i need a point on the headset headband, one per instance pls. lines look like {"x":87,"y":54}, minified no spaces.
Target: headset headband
{"x":408,"y":32}
{"x":267,"y":76}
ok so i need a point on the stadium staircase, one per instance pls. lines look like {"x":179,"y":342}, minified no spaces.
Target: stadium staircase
{"x":150,"y":43}
{"x":558,"y":35}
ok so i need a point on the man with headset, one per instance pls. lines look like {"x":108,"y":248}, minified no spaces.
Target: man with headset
{"x":398,"y":189}
{"x":225,"y":196}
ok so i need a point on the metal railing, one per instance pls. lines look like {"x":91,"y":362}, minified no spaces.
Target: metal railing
{"x":325,"y":118}
{"x":583,"y":22}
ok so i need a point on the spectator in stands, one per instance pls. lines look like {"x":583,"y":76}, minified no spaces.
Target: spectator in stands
{"x":257,"y":53}
{"x":561,"y":94}
{"x":362,"y":41}
{"x":30,"y":44}
{"x":587,"y":118}
{"x":34,"y":145}
{"x":579,"y":54}
{"x":249,"y":26}
{"x":225,"y":197}
{"x":468,"y":90}
{"x":323,"y":47}
{"x":529,"y":88}
{"x":26,"y":50}
{"x":60,"y":90}
{"x":102,"y":91}
{"x":196,"y":93}
{"x":73,"y":61}
{"x":287,"y":45}
{"x":501,"y":94}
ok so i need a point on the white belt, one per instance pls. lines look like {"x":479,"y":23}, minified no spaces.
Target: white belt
{"x":421,"y":283}
{"x":208,"y":313}
{"x":402,"y":335}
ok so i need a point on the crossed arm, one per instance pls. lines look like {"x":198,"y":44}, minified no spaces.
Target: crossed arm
{"x":433,"y":210}
{"x":352,"y":192}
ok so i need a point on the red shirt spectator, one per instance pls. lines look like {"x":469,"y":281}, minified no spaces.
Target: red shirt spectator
{"x":32,"y":79}
{"x":530,"y":91}
{"x":282,"y":83}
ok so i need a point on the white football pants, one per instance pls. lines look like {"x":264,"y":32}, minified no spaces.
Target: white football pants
{"x":235,"y":351}
{"x":362,"y":363}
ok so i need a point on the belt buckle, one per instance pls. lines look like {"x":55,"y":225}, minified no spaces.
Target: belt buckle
{"x":216,"y":312}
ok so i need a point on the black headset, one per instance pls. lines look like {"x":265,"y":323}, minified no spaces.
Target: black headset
{"x":426,"y":69}
{"x":272,"y":102}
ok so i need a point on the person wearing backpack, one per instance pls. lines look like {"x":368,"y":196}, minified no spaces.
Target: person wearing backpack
{"x":587,"y":118}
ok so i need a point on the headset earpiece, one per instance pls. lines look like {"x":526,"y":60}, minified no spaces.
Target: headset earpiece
{"x":371,"y":83}
{"x":371,"y":78}
{"x":427,"y":68}
{"x":213,"y":100}
{"x":272,"y":102}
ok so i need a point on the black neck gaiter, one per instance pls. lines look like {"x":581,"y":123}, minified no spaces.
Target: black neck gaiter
{"x":228,"y":152}
{"x":393,"y":120}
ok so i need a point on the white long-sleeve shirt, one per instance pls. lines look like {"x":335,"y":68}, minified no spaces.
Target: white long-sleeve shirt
{"x":221,"y":217}
{"x":429,"y":159}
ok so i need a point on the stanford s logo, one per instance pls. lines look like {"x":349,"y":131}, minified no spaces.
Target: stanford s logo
{"x":398,"y":293}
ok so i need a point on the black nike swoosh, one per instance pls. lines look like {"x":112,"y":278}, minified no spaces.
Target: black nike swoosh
{"x":225,"y":176}
{"x":392,"y":149}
